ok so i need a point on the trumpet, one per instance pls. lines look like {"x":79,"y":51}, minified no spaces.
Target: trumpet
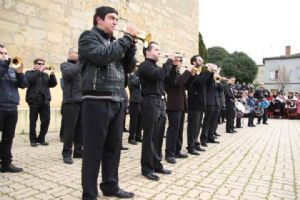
{"x":50,"y":68}
{"x":16,"y":62}
{"x":219,"y":78}
{"x":144,"y":37}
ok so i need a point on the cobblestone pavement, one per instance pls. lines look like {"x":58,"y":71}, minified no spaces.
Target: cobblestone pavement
{"x":256,"y":163}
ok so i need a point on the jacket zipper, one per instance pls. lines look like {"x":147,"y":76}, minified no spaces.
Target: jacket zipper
{"x":95,"y":79}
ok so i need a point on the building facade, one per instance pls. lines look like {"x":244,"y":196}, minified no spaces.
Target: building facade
{"x":283,"y":72}
{"x":48,"y":28}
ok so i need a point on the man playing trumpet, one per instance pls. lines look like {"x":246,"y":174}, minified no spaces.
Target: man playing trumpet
{"x":104,"y":62}
{"x":10,"y":80}
{"x":38,"y":98}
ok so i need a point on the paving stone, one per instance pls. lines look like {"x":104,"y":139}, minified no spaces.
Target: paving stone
{"x":255,"y":163}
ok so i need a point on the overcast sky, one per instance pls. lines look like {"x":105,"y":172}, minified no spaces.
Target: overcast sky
{"x":260,"y":28}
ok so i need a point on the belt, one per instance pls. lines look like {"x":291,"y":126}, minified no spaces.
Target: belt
{"x":155,"y":96}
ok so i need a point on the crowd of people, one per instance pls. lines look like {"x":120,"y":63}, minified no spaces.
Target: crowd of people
{"x":94,"y":105}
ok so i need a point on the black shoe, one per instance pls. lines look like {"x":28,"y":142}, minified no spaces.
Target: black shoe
{"x":33,"y":144}
{"x":266,"y":123}
{"x":77,"y":155}
{"x":44,"y":143}
{"x":124,"y":148}
{"x":138,"y":139}
{"x":216,"y":134}
{"x":68,"y":160}
{"x":11,"y":169}
{"x":132,"y":142}
{"x":214,"y":141}
{"x":152,"y":177}
{"x":170,"y":160}
{"x":181,"y":155}
{"x":193,"y":152}
{"x":203,"y":144}
{"x":258,"y":123}
{"x":198,"y":148}
{"x":239,"y":127}
{"x":120,"y":194}
{"x":163,"y":171}
{"x":231,"y":132}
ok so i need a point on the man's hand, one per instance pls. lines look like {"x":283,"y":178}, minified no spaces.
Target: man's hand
{"x":132,"y":31}
{"x":20,"y":69}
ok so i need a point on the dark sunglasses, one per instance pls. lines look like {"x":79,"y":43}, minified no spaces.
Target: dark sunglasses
{"x":3,"y":53}
{"x":40,"y":63}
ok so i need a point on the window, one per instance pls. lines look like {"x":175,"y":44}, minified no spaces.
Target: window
{"x":274,"y":74}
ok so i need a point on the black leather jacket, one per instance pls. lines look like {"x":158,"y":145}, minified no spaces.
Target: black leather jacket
{"x":71,"y":77}
{"x":103,"y":62}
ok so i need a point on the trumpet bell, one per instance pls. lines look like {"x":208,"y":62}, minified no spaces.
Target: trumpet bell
{"x":17,"y":62}
{"x":51,"y":67}
{"x":145,"y":38}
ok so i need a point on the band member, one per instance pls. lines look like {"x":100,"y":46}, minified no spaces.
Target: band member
{"x":196,"y":86}
{"x":229,"y":100}
{"x":210,"y":121}
{"x":104,"y":61}
{"x":72,"y":101}
{"x":152,"y":79}
{"x":10,"y":80}
{"x":135,"y":124}
{"x":38,"y":98}
{"x":176,"y":106}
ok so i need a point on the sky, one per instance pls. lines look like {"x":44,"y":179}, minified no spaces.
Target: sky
{"x":259,"y":28}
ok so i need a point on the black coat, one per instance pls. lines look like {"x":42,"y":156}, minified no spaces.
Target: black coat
{"x":71,"y":78}
{"x":104,"y":62}
{"x":10,"y":81}
{"x":197,"y":90}
{"x":176,"y":97}
{"x":39,"y":83}
{"x":229,"y":96}
{"x":135,"y":88}
{"x":153,"y":77}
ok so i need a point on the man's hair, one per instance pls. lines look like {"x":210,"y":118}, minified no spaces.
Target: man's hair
{"x":102,"y":12}
{"x":37,"y":60}
{"x":149,"y":47}
{"x":194,"y":59}
{"x":2,"y":46}
{"x":71,"y":50}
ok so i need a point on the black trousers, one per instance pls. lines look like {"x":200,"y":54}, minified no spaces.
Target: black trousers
{"x":35,"y":110}
{"x":154,"y":120}
{"x":251,"y":117}
{"x":264,"y":117}
{"x":215,"y":123}
{"x":102,"y":122}
{"x":61,"y":131}
{"x":193,"y":128}
{"x":135,"y":124}
{"x":208,"y":123}
{"x":238,"y":122}
{"x":8,"y":121}
{"x":72,"y":129}
{"x":230,"y":114}
{"x":174,"y":132}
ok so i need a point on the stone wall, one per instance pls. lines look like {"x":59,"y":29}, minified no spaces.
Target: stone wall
{"x":48,"y":28}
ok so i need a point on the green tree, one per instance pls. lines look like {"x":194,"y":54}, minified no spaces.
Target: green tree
{"x":217,"y":55}
{"x":237,"y":64}
{"x":202,"y":48}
